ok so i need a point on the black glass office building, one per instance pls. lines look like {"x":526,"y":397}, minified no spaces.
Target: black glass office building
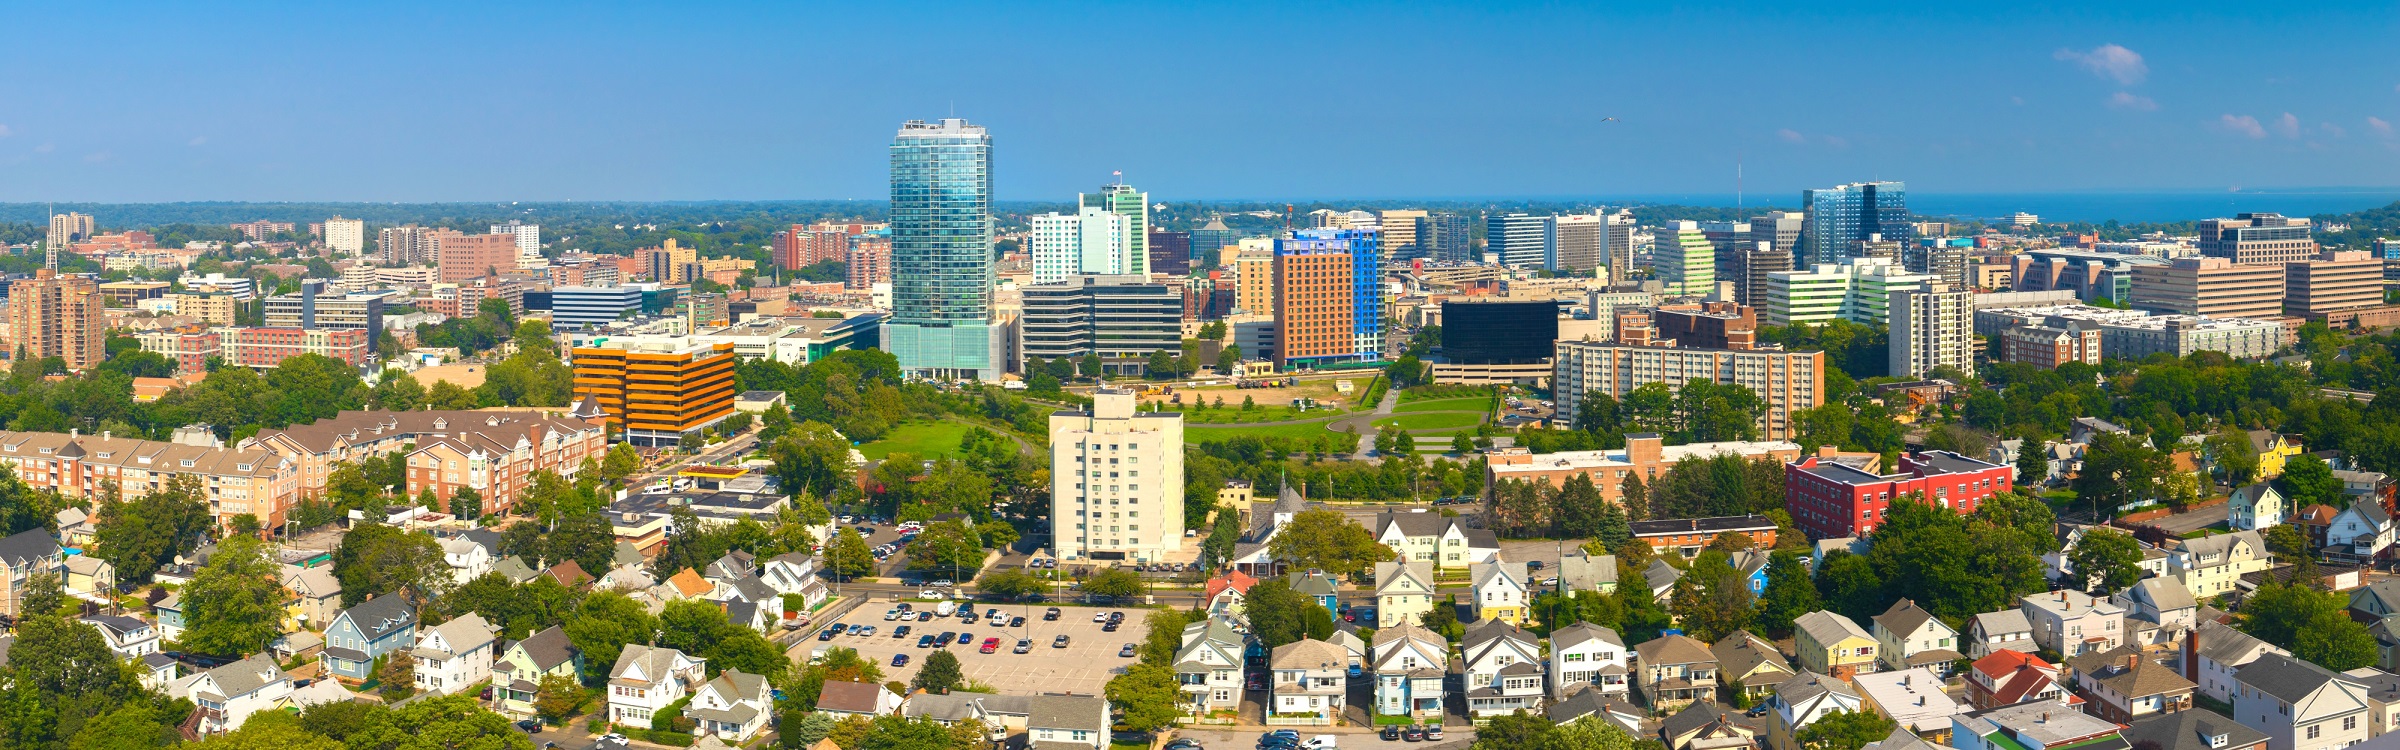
{"x":1498,"y":333}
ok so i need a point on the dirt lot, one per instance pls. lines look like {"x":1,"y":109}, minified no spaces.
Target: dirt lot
{"x":1083,"y":667}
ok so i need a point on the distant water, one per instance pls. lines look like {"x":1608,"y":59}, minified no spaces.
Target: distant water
{"x":2101,"y":206}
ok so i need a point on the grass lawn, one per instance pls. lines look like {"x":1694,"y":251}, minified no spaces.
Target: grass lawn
{"x":1202,"y":434}
{"x":1448,"y":404}
{"x":1430,"y":421}
{"x":1440,"y":392}
{"x":925,"y":439}
{"x":1230,"y":415}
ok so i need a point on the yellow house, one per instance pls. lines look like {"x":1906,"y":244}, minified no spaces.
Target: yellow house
{"x":1831,"y":644}
{"x":1500,"y":591}
{"x":2273,"y":449}
{"x":316,"y":598}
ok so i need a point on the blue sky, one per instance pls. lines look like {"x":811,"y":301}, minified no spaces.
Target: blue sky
{"x":430,"y":101}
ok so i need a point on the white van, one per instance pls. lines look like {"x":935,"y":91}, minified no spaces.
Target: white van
{"x":1319,"y":742}
{"x":946,"y":608}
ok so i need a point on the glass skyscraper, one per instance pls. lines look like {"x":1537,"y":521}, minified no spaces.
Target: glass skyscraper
{"x":941,"y":324}
{"x":1839,"y":216}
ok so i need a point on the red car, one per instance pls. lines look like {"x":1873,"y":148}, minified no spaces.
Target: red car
{"x":990,"y":645}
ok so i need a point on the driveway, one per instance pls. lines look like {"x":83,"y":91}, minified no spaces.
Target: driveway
{"x":2185,"y":523}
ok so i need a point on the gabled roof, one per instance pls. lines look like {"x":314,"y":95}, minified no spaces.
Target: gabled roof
{"x":1806,"y":686}
{"x":2191,"y":729}
{"x":689,"y":583}
{"x":1483,"y":633}
{"x":1576,"y":635}
{"x":25,"y":546}
{"x":2371,"y":511}
{"x":1741,"y":653}
{"x":313,"y":583}
{"x":2284,"y":677}
{"x":852,"y":697}
{"x":1903,"y":618}
{"x":2163,"y":594}
{"x":380,"y":616}
{"x":1236,"y":580}
{"x":464,"y":633}
{"x":1312,"y":583}
{"x":1902,"y":739}
{"x":1693,"y":718}
{"x":1486,"y":572}
{"x":514,"y":569}
{"x":2015,"y":675}
{"x":1674,"y":649}
{"x":1070,"y":712}
{"x":246,"y":676}
{"x":1589,"y":702}
{"x":2221,"y":643}
{"x":568,"y":574}
{"x":627,"y":554}
{"x":1828,"y":628}
{"x":1309,"y":653}
{"x":2004,"y":621}
{"x":1660,"y":575}
{"x":1587,"y":572}
{"x":1412,"y":524}
{"x":1388,"y":573}
{"x":655,"y":663}
{"x":2252,"y":493}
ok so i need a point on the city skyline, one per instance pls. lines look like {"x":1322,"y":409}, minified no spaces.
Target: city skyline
{"x":716,"y":102}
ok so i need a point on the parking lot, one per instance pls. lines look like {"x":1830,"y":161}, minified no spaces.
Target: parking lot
{"x":1083,"y":667}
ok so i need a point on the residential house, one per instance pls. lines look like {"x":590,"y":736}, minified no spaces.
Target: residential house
{"x":794,"y":573}
{"x":24,"y":554}
{"x":1499,"y":589}
{"x":1503,"y":669}
{"x":2007,"y":678}
{"x":2058,"y":565}
{"x":1902,"y":739}
{"x":2084,"y":429}
{"x":1582,"y":572}
{"x":734,"y":564}
{"x":129,"y":637}
{"x":168,"y":613}
{"x":1909,"y":636}
{"x":2032,"y":726}
{"x":1403,"y":591}
{"x":734,"y":707}
{"x":468,"y":560}
{"x":1208,"y":665}
{"x":2072,"y":623}
{"x":75,"y":527}
{"x":1223,"y":594}
{"x":2378,"y":605}
{"x":2299,"y":705}
{"x":1661,"y":578}
{"x":454,"y":655}
{"x":1609,"y":708}
{"x":2255,"y":507}
{"x":568,"y":574}
{"x":1316,"y":584}
{"x":2383,"y":699}
{"x":2360,"y":534}
{"x":1432,"y":538}
{"x":1410,"y":663}
{"x":1752,"y":665}
{"x":1912,"y":698}
{"x":228,"y":695}
{"x":686,"y":584}
{"x":1672,"y":670}
{"x":158,"y":669}
{"x":1584,"y":655}
{"x":2197,"y":729}
{"x":1801,"y":701}
{"x":844,"y":699}
{"x":1351,"y":644}
{"x":2215,"y":652}
{"x":2213,"y":565}
{"x":2273,"y":450}
{"x":89,"y":578}
{"x":316,"y":597}
{"x":519,"y":671}
{"x":1309,"y":683}
{"x":1067,"y":721}
{"x":1831,"y":644}
{"x":517,"y":572}
{"x":646,"y":679}
{"x":1704,"y":726}
{"x":2005,"y":630}
{"x":2120,"y":685}
{"x":360,"y":635}
{"x":2158,"y":612}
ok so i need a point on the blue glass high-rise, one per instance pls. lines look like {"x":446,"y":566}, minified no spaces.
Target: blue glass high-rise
{"x":1842,"y":215}
{"x":942,"y":277}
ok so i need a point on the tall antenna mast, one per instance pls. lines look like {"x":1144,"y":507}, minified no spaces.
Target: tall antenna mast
{"x":1737,"y":183}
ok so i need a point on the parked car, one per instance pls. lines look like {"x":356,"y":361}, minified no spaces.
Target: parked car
{"x":1390,"y":732}
{"x":900,"y":632}
{"x":925,"y":641}
{"x":1433,"y":732}
{"x":1050,"y":615}
{"x":1099,"y":617}
{"x":1127,"y":651}
{"x":946,"y":638}
{"x":529,"y":726}
{"x":990,"y":645}
{"x":899,"y":660}
{"x":891,"y":614}
{"x":1016,"y":622}
{"x":924,"y":616}
{"x":1024,"y":645}
{"x":1060,"y":642}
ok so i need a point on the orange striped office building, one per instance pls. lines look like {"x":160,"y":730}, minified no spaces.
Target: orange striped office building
{"x":655,"y":394}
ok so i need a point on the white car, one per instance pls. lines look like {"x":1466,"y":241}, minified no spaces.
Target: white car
{"x":929,"y":594}
{"x":1099,"y":617}
{"x":890,"y":615}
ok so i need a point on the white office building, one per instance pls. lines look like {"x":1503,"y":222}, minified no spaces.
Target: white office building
{"x":1932,"y":328}
{"x":529,"y":236}
{"x":346,"y":235}
{"x":1858,"y":291}
{"x":1092,"y":240}
{"x":1116,"y":481}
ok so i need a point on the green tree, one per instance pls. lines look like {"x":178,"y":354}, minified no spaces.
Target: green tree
{"x":1613,"y":529}
{"x":1145,"y":695}
{"x":2109,"y":560}
{"x":2230,"y":449}
{"x":939,"y":674}
{"x":1719,"y":602}
{"x":2033,"y":462}
{"x":1789,"y":594}
{"x":1011,"y":584}
{"x":1844,"y":730}
{"x":141,"y":535}
{"x":1326,"y":540}
{"x":375,"y":559}
{"x":1849,"y":585}
{"x":603,"y":624}
{"x":2308,"y":481}
{"x":2119,"y":470}
{"x":811,"y":458}
{"x":848,"y":556}
{"x":234,"y":605}
{"x":1114,"y":583}
{"x":133,"y":726}
{"x":2314,"y":625}
{"x":952,"y":547}
{"x":1279,"y":615}
{"x":1579,"y":508}
{"x":557,"y":697}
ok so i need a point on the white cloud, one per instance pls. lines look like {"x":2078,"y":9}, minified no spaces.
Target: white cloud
{"x":1791,"y":136}
{"x":2109,"y":61}
{"x":6,"y":132}
{"x":2126,"y":100}
{"x":1837,"y":141}
{"x":2331,"y":129}
{"x":2243,"y":124}
{"x":2381,"y":128}
{"x":2287,"y":126}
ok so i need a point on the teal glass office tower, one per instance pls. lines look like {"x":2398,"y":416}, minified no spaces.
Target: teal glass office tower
{"x":941,"y":324}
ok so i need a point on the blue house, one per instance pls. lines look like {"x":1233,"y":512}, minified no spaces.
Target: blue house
{"x":361,"y":634}
{"x":170,"y":617}
{"x":1752,"y":563}
{"x":1315,"y":584}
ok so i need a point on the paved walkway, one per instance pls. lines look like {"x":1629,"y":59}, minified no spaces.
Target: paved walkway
{"x":1364,"y":424}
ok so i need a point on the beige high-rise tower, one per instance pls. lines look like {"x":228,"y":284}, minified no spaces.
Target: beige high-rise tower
{"x":58,"y":316}
{"x":1116,"y":481}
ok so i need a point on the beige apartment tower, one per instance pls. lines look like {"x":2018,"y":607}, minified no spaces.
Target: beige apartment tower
{"x":51,"y":315}
{"x":1400,"y":234}
{"x":2215,"y":287}
{"x":2335,"y":280}
{"x":2257,"y":239}
{"x":1932,"y":327}
{"x":1790,"y":382}
{"x":1116,"y":481}
{"x":346,"y":235}
{"x":1254,"y":282}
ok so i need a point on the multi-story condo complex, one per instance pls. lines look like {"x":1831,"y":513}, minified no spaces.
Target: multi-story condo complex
{"x":667,"y":263}
{"x":800,"y":246}
{"x":234,"y":482}
{"x":2211,"y":286}
{"x":492,"y":449}
{"x":1644,"y":455}
{"x":213,"y":308}
{"x":262,"y":229}
{"x":1090,"y":241}
{"x":1789,"y":382}
{"x":466,"y":256}
{"x":1120,"y":318}
{"x":1831,"y":499}
{"x":2051,"y":343}
{"x":656,"y":394}
{"x":2334,"y":280}
{"x":1840,"y":216}
{"x":1683,"y":259}
{"x":1947,"y":259}
{"x":346,"y":235}
{"x":70,"y":227}
{"x":1932,"y":327}
{"x":2257,"y":239}
{"x":1329,"y":298}
{"x":1517,"y":239}
{"x":1117,"y":476}
{"x":527,"y":237}
{"x":404,"y":245}
{"x":54,"y":315}
{"x":1134,"y":207}
{"x":942,"y":252}
{"x":311,"y":308}
{"x":257,"y":347}
{"x":1254,"y":283}
{"x":2127,"y":334}
{"x":1713,"y":325}
{"x":869,"y":263}
{"x":2092,"y":276}
{"x":1858,"y":291}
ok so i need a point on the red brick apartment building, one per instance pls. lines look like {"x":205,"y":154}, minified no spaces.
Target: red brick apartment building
{"x":1829,"y":499}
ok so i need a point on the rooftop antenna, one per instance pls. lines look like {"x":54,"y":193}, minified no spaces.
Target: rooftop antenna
{"x":1737,"y":184}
